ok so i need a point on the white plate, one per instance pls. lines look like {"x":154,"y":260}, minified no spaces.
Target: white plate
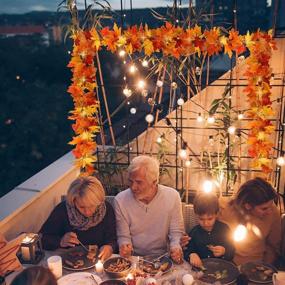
{"x":79,"y":278}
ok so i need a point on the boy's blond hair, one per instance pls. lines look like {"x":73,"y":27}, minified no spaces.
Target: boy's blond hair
{"x":206,"y":203}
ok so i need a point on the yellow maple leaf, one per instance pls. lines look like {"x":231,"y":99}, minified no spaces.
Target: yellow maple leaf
{"x":95,"y":39}
{"x":85,"y":161}
{"x":248,"y":40}
{"x":148,"y":47}
{"x":86,"y":136}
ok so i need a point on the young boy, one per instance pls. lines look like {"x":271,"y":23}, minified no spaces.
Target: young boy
{"x":211,"y":238}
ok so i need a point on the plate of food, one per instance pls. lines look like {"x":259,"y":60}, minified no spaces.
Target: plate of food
{"x":117,"y":267}
{"x":258,"y":272}
{"x":218,"y":270}
{"x":165,"y":264}
{"x":79,"y":278}
{"x":78,"y":258}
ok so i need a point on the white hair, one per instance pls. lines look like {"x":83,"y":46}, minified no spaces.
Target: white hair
{"x":148,"y":163}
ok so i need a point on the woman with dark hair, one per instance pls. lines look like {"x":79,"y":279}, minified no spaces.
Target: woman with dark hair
{"x":253,"y":206}
{"x":36,"y":275}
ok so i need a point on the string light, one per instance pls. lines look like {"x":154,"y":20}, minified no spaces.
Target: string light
{"x":145,"y":63}
{"x":149,"y":118}
{"x":231,"y":130}
{"x":144,"y":93}
{"x":180,"y":101}
{"x":173,"y":85}
{"x":240,"y":233}
{"x":133,"y":110}
{"x":141,"y":84}
{"x":132,"y":68}
{"x":200,"y":119}
{"x":122,"y":53}
{"x":280,"y":160}
{"x":240,"y":116}
{"x":182,"y":153}
{"x":159,"y":83}
{"x":211,"y":140}
{"x":127,"y":92}
{"x":208,"y":186}
{"x":188,"y":163}
{"x":211,"y":120}
{"x":198,"y":70}
{"x":159,"y":140}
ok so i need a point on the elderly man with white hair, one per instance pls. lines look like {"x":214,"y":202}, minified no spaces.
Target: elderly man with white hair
{"x":149,"y":215}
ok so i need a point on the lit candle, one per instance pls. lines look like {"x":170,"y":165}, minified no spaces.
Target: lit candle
{"x":130,"y":276}
{"x":99,"y":267}
{"x":25,"y":250}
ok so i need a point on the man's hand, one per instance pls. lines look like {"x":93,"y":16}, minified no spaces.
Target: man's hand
{"x":176,"y":254}
{"x":126,"y":250}
{"x":195,"y":260}
{"x":105,"y":252}
{"x":217,"y":250}
{"x":184,"y":240}
{"x":69,"y":239}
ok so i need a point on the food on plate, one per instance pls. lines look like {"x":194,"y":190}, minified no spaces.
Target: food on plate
{"x":91,"y":255}
{"x":119,"y":265}
{"x":74,"y":264}
{"x":218,"y":275}
{"x":263,"y":272}
{"x":76,"y":253}
{"x":149,"y":268}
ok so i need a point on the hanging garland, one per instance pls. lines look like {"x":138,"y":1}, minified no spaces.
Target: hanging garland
{"x":258,"y":92}
{"x":170,"y":41}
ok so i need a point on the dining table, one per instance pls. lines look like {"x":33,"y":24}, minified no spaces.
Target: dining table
{"x":173,"y":277}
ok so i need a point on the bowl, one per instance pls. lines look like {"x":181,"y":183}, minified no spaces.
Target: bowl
{"x":113,"y":282}
{"x":117,"y":267}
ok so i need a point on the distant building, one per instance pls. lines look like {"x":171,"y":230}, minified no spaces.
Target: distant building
{"x":28,"y":30}
{"x":250,"y":14}
{"x":279,"y":18}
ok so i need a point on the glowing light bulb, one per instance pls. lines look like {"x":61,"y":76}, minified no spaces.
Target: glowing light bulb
{"x":183,"y":153}
{"x":127,"y":92}
{"x":231,"y":130}
{"x":280,"y":160}
{"x":159,"y":83}
{"x":211,"y":120}
{"x":141,"y":84}
{"x":180,"y":101}
{"x":122,"y":53}
{"x":240,"y":233}
{"x":174,"y":85}
{"x":200,"y":119}
{"x":133,"y":110}
{"x":240,"y":116}
{"x":145,"y":63}
{"x":159,"y":140}
{"x":144,"y":93}
{"x":188,"y":163}
{"x":132,"y":68}
{"x":149,"y":118}
{"x":208,"y":186}
{"x":198,"y":70}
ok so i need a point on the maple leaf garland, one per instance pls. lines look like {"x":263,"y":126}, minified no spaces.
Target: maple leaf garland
{"x":177,"y":42}
{"x":85,"y":101}
{"x":258,"y":91}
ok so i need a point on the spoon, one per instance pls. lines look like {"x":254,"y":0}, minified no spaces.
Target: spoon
{"x":157,"y":262}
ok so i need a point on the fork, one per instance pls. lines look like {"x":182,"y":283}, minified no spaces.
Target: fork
{"x":83,"y":245}
{"x":93,"y":279}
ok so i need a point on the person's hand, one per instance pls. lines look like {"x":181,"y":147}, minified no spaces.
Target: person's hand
{"x":69,"y":239}
{"x":105,"y":252}
{"x":217,"y":250}
{"x":184,"y":240}
{"x":195,"y":260}
{"x":126,"y":250}
{"x":176,"y":254}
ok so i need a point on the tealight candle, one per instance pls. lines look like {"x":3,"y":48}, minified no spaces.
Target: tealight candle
{"x":130,"y":276}
{"x":99,"y":267}
{"x":25,"y":250}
